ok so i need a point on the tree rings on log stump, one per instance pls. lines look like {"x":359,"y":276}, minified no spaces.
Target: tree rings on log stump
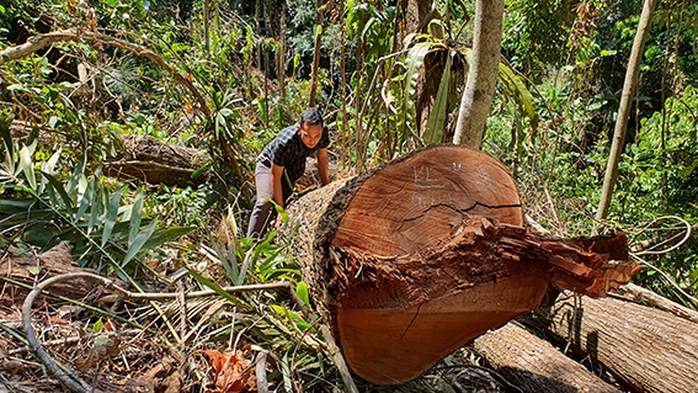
{"x":416,"y":258}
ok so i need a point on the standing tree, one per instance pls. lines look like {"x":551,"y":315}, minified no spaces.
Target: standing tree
{"x":482,"y":76}
{"x":629,"y":86}
{"x":316,"y":52}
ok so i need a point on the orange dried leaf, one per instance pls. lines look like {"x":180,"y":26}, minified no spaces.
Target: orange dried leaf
{"x":230,"y":370}
{"x":215,"y":359}
{"x":57,"y":320}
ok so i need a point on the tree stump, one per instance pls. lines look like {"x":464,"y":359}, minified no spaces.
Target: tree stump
{"x":411,"y":260}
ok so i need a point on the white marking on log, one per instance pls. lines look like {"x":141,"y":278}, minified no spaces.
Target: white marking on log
{"x":426,"y":182}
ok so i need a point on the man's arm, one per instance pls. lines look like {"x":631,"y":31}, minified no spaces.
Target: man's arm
{"x":277,"y":173}
{"x":323,"y":166}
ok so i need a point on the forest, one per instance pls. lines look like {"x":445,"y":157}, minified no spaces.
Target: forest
{"x":130,"y":131}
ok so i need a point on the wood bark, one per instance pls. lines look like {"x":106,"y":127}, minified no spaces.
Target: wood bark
{"x":646,"y":349}
{"x":58,"y":260}
{"x":629,"y":86}
{"x":534,"y":365}
{"x":416,"y":258}
{"x":155,"y":162}
{"x":482,"y":75}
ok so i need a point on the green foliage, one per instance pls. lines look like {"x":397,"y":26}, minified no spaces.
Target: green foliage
{"x":434,"y":130}
{"x":535,"y":33}
{"x":38,"y":209}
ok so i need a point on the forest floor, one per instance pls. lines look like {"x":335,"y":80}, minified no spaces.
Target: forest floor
{"x":104,"y":354}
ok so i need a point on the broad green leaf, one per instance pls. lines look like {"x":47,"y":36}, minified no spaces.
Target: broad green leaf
{"x":96,"y":203}
{"x":112,"y":211}
{"x":100,"y":341}
{"x":50,"y":165}
{"x":15,"y":87}
{"x":302,"y":291}
{"x":67,"y":202}
{"x":85,"y":199}
{"x":77,"y":174}
{"x":54,"y":122}
{"x":8,"y":206}
{"x":216,"y":288}
{"x":230,"y":266}
{"x":514,"y":86}
{"x":27,"y":165}
{"x":435,"y":126}
{"x":139,"y":241}
{"x":136,"y":215}
{"x":414,"y":61}
{"x":98,"y":326}
{"x":297,"y":320}
{"x":169,"y":234}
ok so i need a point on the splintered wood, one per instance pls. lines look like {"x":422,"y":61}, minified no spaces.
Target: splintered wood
{"x":420,"y":256}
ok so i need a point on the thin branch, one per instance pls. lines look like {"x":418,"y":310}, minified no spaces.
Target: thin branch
{"x":41,"y":41}
{"x":687,"y":236}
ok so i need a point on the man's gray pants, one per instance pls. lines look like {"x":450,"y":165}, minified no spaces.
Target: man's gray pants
{"x":263,"y":212}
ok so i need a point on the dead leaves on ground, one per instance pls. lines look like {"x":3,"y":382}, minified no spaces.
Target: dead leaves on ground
{"x":163,"y":379}
{"x":103,"y":349}
{"x":233,"y":371}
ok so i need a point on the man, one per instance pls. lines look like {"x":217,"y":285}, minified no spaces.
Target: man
{"x":282,"y":162}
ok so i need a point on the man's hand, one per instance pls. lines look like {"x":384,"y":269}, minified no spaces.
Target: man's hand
{"x":279,"y":222}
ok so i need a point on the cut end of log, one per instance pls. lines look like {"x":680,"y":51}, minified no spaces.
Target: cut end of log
{"x":417,"y":258}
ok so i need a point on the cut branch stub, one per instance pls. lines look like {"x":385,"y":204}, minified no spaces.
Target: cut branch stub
{"x":418,"y":257}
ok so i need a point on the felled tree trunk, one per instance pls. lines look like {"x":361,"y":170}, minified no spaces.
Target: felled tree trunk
{"x":140,"y":157}
{"x":648,"y":350}
{"x":534,"y":365}
{"x":418,"y":257}
{"x":152,"y":161}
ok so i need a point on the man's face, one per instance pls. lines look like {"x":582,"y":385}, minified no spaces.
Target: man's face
{"x":310,"y":134}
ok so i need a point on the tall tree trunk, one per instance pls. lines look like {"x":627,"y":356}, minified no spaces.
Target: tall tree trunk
{"x":482,"y":76}
{"x":281,"y":56}
{"x":316,"y":53}
{"x":344,"y":140}
{"x":416,"y":258}
{"x":649,"y":350}
{"x":629,"y":86}
{"x":534,"y":365}
{"x":207,"y":21}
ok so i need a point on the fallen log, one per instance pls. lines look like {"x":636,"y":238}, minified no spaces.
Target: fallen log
{"x":58,"y":260}
{"x":411,"y":260}
{"x":646,"y":349}
{"x":534,"y":365}
{"x":155,"y":162}
{"x":140,"y":157}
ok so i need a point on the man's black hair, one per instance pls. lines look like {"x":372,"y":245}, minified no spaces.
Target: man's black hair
{"x":311,"y":116}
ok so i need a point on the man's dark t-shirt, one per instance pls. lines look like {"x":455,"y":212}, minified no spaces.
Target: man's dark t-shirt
{"x":289,"y":151}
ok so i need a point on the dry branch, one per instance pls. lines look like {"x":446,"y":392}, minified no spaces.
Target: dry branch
{"x":41,"y":41}
{"x":643,"y":295}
